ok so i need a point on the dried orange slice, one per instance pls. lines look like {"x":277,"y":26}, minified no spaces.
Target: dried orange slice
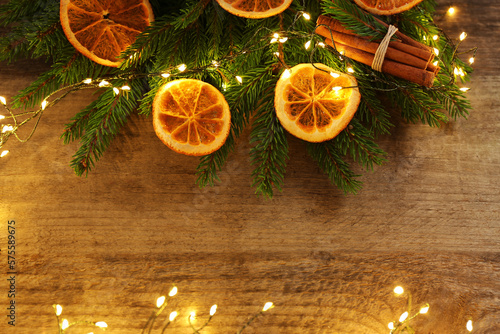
{"x":102,"y":29}
{"x":191,"y":117}
{"x":255,"y":9}
{"x":315,"y":103}
{"x":386,"y":7}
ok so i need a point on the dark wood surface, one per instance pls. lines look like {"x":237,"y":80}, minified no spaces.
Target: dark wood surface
{"x":106,"y":246}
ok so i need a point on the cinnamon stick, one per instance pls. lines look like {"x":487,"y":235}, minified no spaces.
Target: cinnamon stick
{"x":410,"y":73}
{"x":417,"y":49}
{"x":371,"y":47}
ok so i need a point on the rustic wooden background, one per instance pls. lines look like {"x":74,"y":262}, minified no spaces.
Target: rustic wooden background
{"x":105,"y":247}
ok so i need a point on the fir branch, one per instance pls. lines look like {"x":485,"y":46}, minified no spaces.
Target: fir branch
{"x":328,"y":158}
{"x":270,"y":153}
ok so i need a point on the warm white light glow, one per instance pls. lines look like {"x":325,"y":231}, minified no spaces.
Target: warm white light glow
{"x":399,"y":290}
{"x":436,"y":51}
{"x":87,"y":81}
{"x":469,"y":325}
{"x":274,"y":40}
{"x":337,"y":88}
{"x":276,"y":35}
{"x":451,"y":10}
{"x":335,"y":75}
{"x":391,"y":325}
{"x":2,"y":116}
{"x":192,"y":315}
{"x":116,"y":90}
{"x":44,"y":104}
{"x":65,"y":324}
{"x":213,"y":309}
{"x":7,"y":128}
{"x":286,"y":74}
{"x":103,"y":83}
{"x":182,"y":67}
{"x":424,"y":309}
{"x":215,"y":63}
{"x":172,"y":316}
{"x":435,"y":37}
{"x":283,"y":40}
{"x":350,"y":70}
{"x":165,"y":75}
{"x":267,"y":306}
{"x":403,"y":317}
{"x":471,"y":60}
{"x":3,"y":154}
{"x":435,"y":63}
{"x":306,"y":16}
{"x":463,"y":36}
{"x":160,"y":301}
{"x":173,"y":292}
{"x":3,"y":100}
{"x":464,"y":89}
{"x":58,"y":307}
{"x":322,"y":44}
{"x":101,"y":324}
{"x":127,"y":88}
{"x":307,"y":45}
{"x":239,"y":79}
{"x":277,"y":54}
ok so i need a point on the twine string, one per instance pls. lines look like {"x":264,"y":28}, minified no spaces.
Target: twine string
{"x":378,"y":60}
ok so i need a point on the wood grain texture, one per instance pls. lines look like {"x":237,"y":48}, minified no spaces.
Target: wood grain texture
{"x":105,"y":247}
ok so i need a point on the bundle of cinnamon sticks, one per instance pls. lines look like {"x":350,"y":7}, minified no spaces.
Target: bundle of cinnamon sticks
{"x":405,"y":58}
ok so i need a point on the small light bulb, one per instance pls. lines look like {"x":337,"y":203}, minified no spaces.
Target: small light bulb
{"x":399,"y":290}
{"x":101,"y":324}
{"x":306,"y":16}
{"x":424,"y":309}
{"x":276,"y":35}
{"x":286,"y":74}
{"x":350,"y":70}
{"x":463,"y":36}
{"x":3,"y":154}
{"x":127,"y":88}
{"x":215,"y":63}
{"x":435,"y":37}
{"x":224,"y":86}
{"x":116,"y":90}
{"x":436,"y":51}
{"x":471,"y":60}
{"x":172,"y":316}
{"x":7,"y":128}
{"x":465,"y":89}
{"x":283,"y":40}
{"x":335,"y":75}
{"x":451,"y":10}
{"x":274,"y":40}
{"x":65,"y":324}
{"x":435,"y":63}
{"x":213,"y":309}
{"x":44,"y":104}
{"x":469,"y":325}
{"x":87,"y":81}
{"x":391,"y":325}
{"x":58,"y":307}
{"x":307,"y":45}
{"x":277,"y":54}
{"x":165,"y":75}
{"x":3,"y":100}
{"x":403,"y":317}
{"x":173,"y":292}
{"x":323,"y":45}
{"x":182,"y":67}
{"x":160,"y":301}
{"x":2,"y":116}
{"x":239,"y":79}
{"x":192,"y":315}
{"x":103,"y":83}
{"x":267,"y":306}
{"x":337,"y":88}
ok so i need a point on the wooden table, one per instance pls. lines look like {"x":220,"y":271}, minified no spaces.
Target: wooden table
{"x":106,"y":246}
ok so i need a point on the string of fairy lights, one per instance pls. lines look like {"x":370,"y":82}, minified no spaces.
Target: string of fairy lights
{"x":161,"y":305}
{"x":278,"y":38}
{"x":402,"y":325}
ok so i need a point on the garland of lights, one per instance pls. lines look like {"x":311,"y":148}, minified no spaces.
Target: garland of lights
{"x":400,"y":326}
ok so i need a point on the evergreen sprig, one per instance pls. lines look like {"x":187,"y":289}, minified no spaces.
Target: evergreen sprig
{"x":216,"y":47}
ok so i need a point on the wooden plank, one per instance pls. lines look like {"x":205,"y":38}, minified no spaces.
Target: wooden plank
{"x":106,"y":246}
